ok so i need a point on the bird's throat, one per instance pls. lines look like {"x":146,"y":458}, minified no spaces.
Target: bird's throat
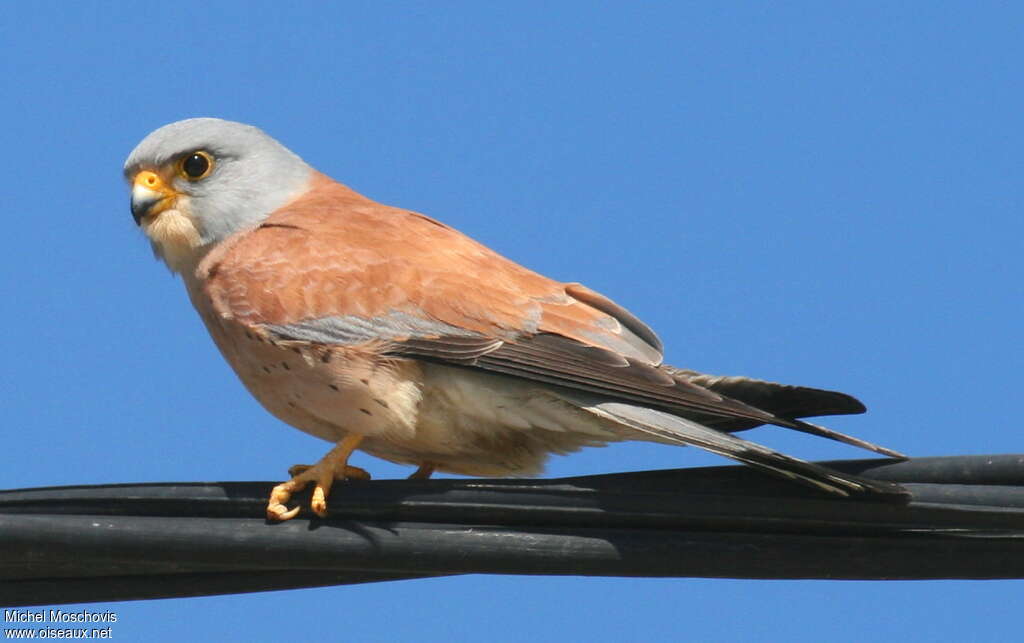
{"x":175,"y":239}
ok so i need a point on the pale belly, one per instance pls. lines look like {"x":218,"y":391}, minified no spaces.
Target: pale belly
{"x":475,"y":423}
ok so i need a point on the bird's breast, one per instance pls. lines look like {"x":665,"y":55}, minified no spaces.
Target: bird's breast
{"x":324,"y":391}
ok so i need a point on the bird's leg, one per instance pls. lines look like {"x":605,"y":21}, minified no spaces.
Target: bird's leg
{"x":332,"y":466}
{"x":425,"y":470}
{"x":351,"y":472}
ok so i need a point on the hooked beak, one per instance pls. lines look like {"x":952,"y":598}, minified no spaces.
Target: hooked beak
{"x":150,"y":195}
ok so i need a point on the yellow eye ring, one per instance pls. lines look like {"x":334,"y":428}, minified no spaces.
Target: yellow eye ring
{"x":195,"y":165}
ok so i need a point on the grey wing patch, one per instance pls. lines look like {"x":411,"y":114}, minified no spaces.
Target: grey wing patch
{"x":406,"y":334}
{"x":355,"y":330}
{"x":673,"y":429}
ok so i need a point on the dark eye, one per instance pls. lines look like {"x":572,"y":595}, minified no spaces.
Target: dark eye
{"x":196,"y":165}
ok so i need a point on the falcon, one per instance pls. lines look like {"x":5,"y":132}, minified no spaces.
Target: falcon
{"x":381,"y":329}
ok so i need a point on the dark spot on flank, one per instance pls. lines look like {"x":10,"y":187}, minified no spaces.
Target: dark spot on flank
{"x":334,"y":386}
{"x":326,"y":357}
{"x":365,"y":382}
{"x":285,"y":366}
{"x":266,"y":370}
{"x":366,"y":412}
{"x":248,"y":335}
{"x":382,"y":403}
{"x":291,"y":404}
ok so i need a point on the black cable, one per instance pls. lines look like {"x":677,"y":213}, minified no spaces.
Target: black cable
{"x":964,"y":518}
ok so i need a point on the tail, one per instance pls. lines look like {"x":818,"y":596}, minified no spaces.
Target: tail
{"x":666,"y":427}
{"x":783,"y":401}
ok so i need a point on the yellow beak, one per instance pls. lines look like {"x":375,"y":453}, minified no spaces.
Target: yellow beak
{"x":150,"y":195}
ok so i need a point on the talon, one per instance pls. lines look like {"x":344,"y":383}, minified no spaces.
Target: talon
{"x":332,"y":466}
{"x":279,"y":495}
{"x":279,"y":514}
{"x":319,"y":502}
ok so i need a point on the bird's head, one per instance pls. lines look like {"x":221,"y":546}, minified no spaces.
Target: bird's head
{"x":198,"y":181}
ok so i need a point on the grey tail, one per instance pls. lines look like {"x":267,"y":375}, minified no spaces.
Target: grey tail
{"x":665,"y":427}
{"x":783,"y":401}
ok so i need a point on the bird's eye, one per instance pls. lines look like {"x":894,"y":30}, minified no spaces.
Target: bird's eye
{"x":196,"y":165}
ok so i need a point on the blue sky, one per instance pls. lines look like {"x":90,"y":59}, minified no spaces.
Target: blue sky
{"x":819,"y":193}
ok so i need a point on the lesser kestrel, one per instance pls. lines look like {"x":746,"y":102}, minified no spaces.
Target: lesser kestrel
{"x":382,"y":329}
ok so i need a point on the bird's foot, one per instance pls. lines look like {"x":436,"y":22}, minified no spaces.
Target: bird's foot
{"x":333,"y":466}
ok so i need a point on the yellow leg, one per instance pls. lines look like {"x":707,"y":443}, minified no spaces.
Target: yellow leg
{"x":332,"y":466}
{"x":425,"y":471}
{"x":351,"y":472}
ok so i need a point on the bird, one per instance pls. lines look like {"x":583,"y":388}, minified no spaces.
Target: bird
{"x":381,"y":329}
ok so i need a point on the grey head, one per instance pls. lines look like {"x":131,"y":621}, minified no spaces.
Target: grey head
{"x":198,"y":181}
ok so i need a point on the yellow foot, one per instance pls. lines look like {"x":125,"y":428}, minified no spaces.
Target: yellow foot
{"x":332,"y":466}
{"x":425,"y":470}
